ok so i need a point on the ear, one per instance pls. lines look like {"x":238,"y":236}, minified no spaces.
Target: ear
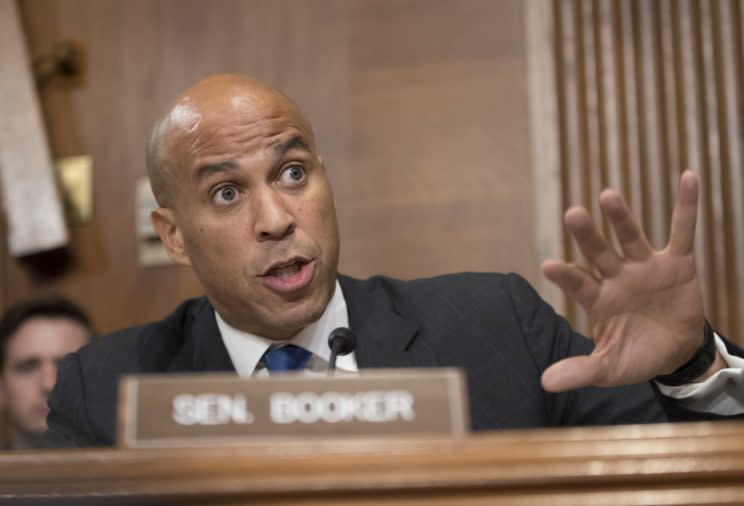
{"x":164,"y":223}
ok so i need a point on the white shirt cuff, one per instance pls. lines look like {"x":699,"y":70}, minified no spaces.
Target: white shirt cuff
{"x":721,"y":394}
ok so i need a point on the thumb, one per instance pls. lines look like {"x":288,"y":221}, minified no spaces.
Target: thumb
{"x":572,"y":373}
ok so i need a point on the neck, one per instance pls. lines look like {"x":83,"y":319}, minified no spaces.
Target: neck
{"x":274,"y":334}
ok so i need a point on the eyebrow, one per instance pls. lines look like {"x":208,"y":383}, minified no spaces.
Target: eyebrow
{"x":27,"y":363}
{"x":213,"y":168}
{"x":279,"y":150}
{"x":283,"y":148}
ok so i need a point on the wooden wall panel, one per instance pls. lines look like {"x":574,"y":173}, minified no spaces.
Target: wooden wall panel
{"x":439,"y":176}
{"x":646,"y":89}
{"x":420,"y":109}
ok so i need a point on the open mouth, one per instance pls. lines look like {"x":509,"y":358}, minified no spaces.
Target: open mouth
{"x":289,"y":276}
{"x":286,"y":270}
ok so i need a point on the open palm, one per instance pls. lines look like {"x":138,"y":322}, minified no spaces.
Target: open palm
{"x":645,"y":306}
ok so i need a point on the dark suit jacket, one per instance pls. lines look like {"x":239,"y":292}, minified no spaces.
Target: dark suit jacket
{"x":494,"y":326}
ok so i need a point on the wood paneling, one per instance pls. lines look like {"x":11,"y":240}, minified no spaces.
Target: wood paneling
{"x":419,"y":107}
{"x":646,"y":89}
{"x":438,"y":175}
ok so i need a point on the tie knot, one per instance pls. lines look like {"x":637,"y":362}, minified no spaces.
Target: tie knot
{"x":286,"y":358}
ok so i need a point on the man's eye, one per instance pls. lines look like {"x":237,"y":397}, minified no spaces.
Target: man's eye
{"x":292,"y":175}
{"x":225,"y":194}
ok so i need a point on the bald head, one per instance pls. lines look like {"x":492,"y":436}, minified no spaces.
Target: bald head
{"x":206,"y":102}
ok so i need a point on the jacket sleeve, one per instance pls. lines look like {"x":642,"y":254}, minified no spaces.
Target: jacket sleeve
{"x":67,"y":420}
{"x":549,"y":338}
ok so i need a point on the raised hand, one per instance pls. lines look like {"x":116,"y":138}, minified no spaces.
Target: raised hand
{"x":645,"y":306}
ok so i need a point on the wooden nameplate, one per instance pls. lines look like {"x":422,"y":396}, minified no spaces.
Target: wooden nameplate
{"x":212,"y":409}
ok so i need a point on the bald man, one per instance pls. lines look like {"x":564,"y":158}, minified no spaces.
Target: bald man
{"x":245,"y":201}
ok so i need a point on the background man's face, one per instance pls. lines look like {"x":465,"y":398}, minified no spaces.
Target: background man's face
{"x":30,"y":370}
{"x":255,"y":214}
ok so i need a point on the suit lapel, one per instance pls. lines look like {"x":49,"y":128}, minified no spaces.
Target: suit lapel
{"x":384,"y":337}
{"x":203,"y":349}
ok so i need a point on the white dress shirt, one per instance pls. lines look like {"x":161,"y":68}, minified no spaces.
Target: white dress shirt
{"x":722,"y":393}
{"x":246,"y":349}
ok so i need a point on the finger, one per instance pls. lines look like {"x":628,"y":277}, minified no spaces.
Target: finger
{"x":575,"y":282}
{"x":682,"y":235}
{"x":571,"y":373}
{"x":632,"y":240}
{"x":592,"y":244}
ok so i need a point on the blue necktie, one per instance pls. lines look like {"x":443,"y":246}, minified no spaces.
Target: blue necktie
{"x":286,"y":358}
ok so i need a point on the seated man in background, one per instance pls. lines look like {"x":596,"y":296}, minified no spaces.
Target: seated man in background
{"x":245,"y":201}
{"x":34,"y":337}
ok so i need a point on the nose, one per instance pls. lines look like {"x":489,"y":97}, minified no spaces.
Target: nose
{"x":48,"y":377}
{"x":273,"y":218}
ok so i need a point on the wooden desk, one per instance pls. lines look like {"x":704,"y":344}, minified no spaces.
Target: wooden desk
{"x":654,"y":464}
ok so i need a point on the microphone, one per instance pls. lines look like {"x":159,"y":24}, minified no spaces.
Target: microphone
{"x":341,"y":341}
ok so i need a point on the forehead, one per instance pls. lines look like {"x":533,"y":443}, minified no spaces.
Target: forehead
{"x":41,"y":336}
{"x":234,"y":124}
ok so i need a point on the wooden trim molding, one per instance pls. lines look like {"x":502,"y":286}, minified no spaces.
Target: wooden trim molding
{"x":544,"y":143}
{"x":672,"y":464}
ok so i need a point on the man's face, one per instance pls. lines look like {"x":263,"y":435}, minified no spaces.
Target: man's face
{"x":253,"y":212}
{"x":32,"y":354}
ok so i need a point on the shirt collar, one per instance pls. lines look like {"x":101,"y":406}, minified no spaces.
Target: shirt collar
{"x":246,"y":349}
